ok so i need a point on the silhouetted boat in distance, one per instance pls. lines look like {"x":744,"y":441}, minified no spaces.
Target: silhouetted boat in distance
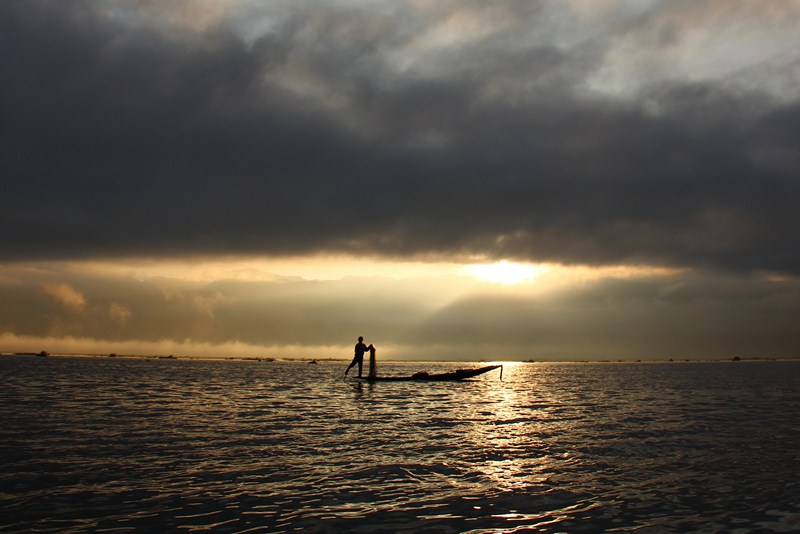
{"x":459,"y":374}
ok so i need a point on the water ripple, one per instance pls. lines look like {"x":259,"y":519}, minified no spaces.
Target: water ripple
{"x":120,"y":445}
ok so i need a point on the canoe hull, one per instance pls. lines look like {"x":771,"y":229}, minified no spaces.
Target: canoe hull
{"x":459,"y":374}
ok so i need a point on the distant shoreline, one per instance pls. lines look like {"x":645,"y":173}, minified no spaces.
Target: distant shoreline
{"x":309,"y":360}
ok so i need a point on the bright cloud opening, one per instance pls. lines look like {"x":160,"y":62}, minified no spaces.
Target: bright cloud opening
{"x":505,"y":272}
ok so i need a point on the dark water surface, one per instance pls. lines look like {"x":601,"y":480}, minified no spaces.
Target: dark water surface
{"x":116,"y":445}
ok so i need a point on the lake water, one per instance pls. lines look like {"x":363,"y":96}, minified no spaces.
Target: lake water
{"x":117,"y":445}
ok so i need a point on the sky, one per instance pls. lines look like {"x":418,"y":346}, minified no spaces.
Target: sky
{"x":540,"y":180}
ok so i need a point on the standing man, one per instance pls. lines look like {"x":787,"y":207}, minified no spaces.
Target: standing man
{"x":360,"y":349}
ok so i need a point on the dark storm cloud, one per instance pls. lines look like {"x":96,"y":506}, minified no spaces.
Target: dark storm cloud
{"x":344,"y":130}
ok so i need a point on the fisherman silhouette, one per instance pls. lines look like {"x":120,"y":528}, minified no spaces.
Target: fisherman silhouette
{"x":360,"y":349}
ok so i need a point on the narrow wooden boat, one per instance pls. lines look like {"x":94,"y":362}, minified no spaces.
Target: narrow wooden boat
{"x":459,"y":374}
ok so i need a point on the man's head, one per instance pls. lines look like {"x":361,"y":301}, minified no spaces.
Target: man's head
{"x":360,"y":339}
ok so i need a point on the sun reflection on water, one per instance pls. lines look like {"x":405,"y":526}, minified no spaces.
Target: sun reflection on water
{"x":506,"y":435}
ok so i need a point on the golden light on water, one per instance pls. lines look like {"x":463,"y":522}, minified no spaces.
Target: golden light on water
{"x":510,"y":427}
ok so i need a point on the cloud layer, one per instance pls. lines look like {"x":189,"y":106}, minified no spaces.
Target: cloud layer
{"x":649,"y":132}
{"x":607,"y":133}
{"x":684,"y":315}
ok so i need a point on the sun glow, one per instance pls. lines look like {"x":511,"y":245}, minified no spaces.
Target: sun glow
{"x":506,"y":273}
